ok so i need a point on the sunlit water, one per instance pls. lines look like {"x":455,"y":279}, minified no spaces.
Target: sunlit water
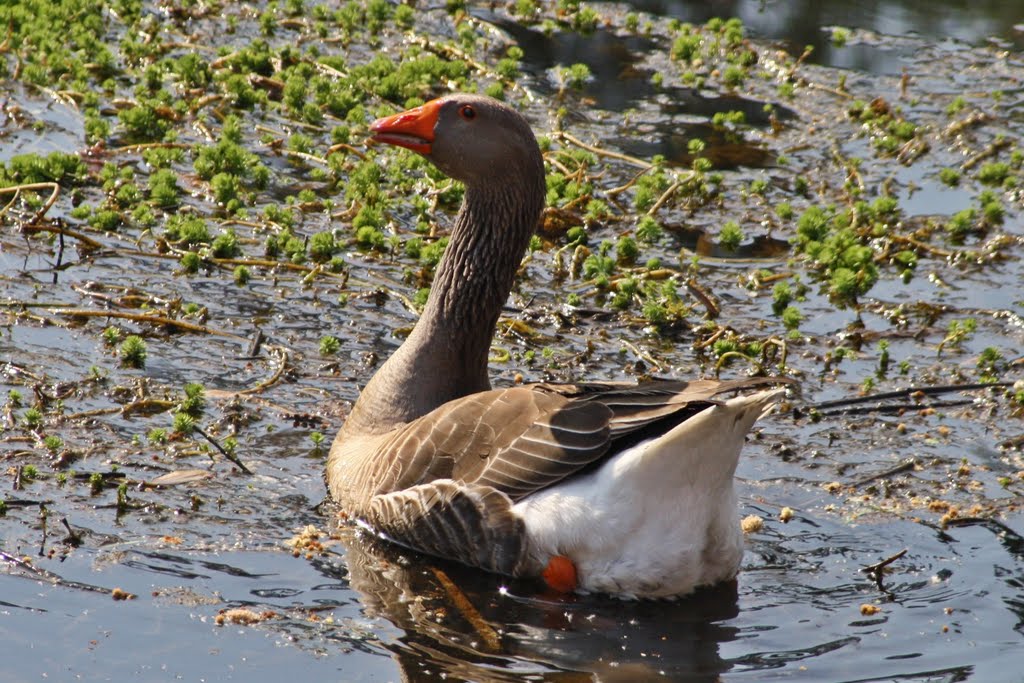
{"x":951,"y":609}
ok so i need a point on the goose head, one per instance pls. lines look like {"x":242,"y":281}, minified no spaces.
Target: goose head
{"x":477,"y":140}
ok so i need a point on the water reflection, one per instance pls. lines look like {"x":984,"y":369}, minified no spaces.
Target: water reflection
{"x":797,"y":608}
{"x":619,"y":83}
{"x":800,"y":23}
{"x":611,"y":57}
{"x":462,"y":624}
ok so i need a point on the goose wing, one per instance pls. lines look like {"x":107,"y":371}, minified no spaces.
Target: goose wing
{"x":523,"y":439}
{"x":455,"y":473}
{"x":514,"y":440}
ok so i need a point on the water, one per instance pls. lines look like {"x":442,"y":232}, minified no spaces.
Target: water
{"x":950,"y":609}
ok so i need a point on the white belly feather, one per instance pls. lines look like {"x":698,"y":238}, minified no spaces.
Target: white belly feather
{"x":657,"y":519}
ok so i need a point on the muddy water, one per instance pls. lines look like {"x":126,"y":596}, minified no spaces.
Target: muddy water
{"x":937,"y":476}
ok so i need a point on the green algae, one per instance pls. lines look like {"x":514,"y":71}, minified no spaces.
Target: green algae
{"x":223,"y":154}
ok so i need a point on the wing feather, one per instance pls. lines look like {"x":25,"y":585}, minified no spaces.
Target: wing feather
{"x":471,"y":524}
{"x":525,"y":438}
{"x":446,"y":483}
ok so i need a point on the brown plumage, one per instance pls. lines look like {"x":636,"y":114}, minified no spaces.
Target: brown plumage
{"x":430,"y":455}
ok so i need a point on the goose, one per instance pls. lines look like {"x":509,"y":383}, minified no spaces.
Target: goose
{"x":608,"y":487}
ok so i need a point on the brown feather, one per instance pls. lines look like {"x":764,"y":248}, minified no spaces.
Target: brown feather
{"x":455,"y":473}
{"x":430,"y":455}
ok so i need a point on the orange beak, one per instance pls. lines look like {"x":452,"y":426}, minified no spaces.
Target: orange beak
{"x":412,"y":129}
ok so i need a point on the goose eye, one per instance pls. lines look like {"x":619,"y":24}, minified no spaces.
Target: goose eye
{"x":467,"y":112}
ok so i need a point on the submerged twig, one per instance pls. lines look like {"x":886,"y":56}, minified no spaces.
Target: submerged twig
{"x":876,"y":570}
{"x":994,"y":525}
{"x":144,"y":318}
{"x":905,"y":393}
{"x":603,"y":152}
{"x":145,"y":406}
{"x":17,"y":190}
{"x":230,"y":456}
{"x":132,"y":149}
{"x":642,"y":355}
{"x":990,"y":151}
{"x":895,"y":409}
{"x":273,"y":379}
{"x":905,"y":466}
{"x":55,"y":579}
{"x":667,"y":194}
{"x":74,"y":538}
{"x":462,"y":603}
{"x":728,"y":356}
{"x":796,"y":64}
{"x":698,"y":293}
{"x":348,"y":148}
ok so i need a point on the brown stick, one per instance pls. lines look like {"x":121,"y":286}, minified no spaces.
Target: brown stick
{"x":462,"y":603}
{"x":46,"y":575}
{"x":273,"y":379}
{"x":17,"y":189}
{"x":144,"y":318}
{"x":877,"y":567}
{"x":905,"y":466}
{"x":603,"y":152}
{"x":233,"y":458}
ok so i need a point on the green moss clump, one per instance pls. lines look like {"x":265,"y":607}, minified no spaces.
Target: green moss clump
{"x":994,"y":173}
{"x":183,"y":423}
{"x":837,"y":253}
{"x":128,"y":195}
{"x":599,"y":265}
{"x":431,"y":254}
{"x":192,"y":71}
{"x":648,"y":230}
{"x":950,"y":177}
{"x":322,"y":246}
{"x":32,"y":418}
{"x":58,"y":167}
{"x":731,"y":236}
{"x":226,"y":188}
{"x":106,"y":220}
{"x":143,"y":123}
{"x":187,"y":231}
{"x":194,"y":400}
{"x":190,"y":262}
{"x":626,"y":250}
{"x":574,"y":76}
{"x":163,"y":188}
{"x":133,"y":351}
{"x":329,"y":345}
{"x":225,"y":245}
{"x":649,"y":187}
{"x":230,"y":157}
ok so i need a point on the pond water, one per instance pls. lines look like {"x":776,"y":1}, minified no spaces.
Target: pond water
{"x":198,"y":532}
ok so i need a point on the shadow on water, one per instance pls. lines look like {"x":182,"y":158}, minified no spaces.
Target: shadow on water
{"x":697,"y":241}
{"x":799,"y":593}
{"x":611,"y":57}
{"x":618,"y":83}
{"x":472,"y":626}
{"x":671,"y":139}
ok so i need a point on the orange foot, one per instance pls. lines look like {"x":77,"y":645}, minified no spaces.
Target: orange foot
{"x":560,"y":574}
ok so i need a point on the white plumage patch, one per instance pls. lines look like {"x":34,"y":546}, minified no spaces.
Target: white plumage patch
{"x":658,"y":519}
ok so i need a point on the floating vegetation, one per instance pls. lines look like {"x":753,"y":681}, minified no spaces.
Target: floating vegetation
{"x":204,"y":259}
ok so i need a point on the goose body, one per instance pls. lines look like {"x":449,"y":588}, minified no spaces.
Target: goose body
{"x":617,"y":488}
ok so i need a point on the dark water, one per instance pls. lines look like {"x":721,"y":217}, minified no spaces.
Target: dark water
{"x":802,"y":23}
{"x":951,"y":609}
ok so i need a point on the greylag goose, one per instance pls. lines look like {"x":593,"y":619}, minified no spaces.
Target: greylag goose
{"x":617,"y":488}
